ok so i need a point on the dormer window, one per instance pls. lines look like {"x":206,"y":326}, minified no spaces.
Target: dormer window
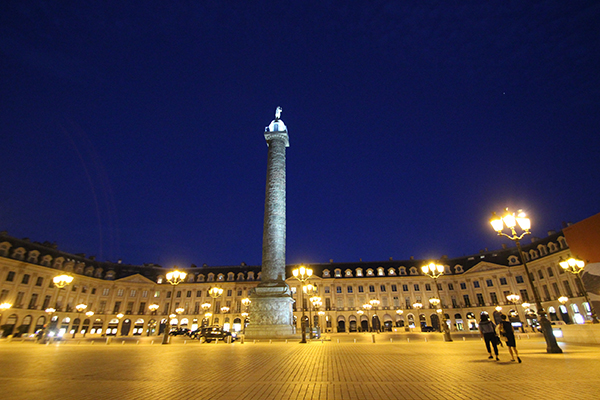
{"x":533,"y":254}
{"x":543,"y":250}
{"x":201,"y":278}
{"x":326,"y":273}
{"x":458,"y":269}
{"x":380,"y":271}
{"x":240,"y":276}
{"x":370,"y":272}
{"x":220,"y":277}
{"x":359,"y":272}
{"x":230,"y":276}
{"x":513,"y":260}
{"x":402,"y":270}
{"x":413,"y":271}
{"x":391,"y":272}
{"x":348,"y":273}
{"x":211,"y":277}
{"x":552,"y":247}
{"x":251,"y":276}
{"x":338,"y":273}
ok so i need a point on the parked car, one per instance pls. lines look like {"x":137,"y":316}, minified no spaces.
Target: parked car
{"x":180,"y":332}
{"x":427,"y":329}
{"x":210,"y":333}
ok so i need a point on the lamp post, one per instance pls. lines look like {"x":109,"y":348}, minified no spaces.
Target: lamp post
{"x":510,"y":221}
{"x":88,"y":314}
{"x":60,"y":281}
{"x":418,"y":306}
{"x":174,"y":278}
{"x":434,"y":271}
{"x":576,"y":267}
{"x":80,"y":308}
{"x":367,"y":308}
{"x":246,"y":302}
{"x":214,"y":292}
{"x":205,"y":308}
{"x":375,"y":304}
{"x":302,"y":274}
{"x":316,"y":302}
{"x":309,"y":290}
{"x":4,"y":307}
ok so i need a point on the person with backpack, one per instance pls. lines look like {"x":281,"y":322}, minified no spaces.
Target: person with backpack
{"x":506,"y":331}
{"x":487,"y":329}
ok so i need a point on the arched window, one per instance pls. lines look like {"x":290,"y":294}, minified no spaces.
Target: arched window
{"x":543,"y":250}
{"x":338,"y":273}
{"x":220,"y":277}
{"x":19,"y":253}
{"x":380,"y":271}
{"x":413,"y":271}
{"x":201,"y":278}
{"x":402,"y":270}
{"x":458,"y":269}
{"x":359,"y":272}
{"x":211,"y":277}
{"x":326,"y":273}
{"x":391,"y":271}
{"x":33,"y":256}
{"x":4,"y":247}
{"x":230,"y":276}
{"x":348,"y":273}
{"x":370,"y":272}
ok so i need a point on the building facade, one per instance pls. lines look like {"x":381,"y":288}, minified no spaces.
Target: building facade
{"x":120,"y":296}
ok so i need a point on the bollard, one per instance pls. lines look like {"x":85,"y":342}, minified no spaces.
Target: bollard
{"x":79,"y":342}
{"x":122,"y":343}
{"x":408,"y":340}
{"x":152,"y":342}
{"x":463,"y":338}
{"x":391,"y":340}
{"x":47,"y":343}
{"x":216,"y":341}
{"x":528,"y":336}
{"x":270,"y":341}
{"x":185,"y":342}
{"x":354,"y":341}
{"x":425,"y":339}
{"x":372,"y":338}
{"x":138,"y":342}
{"x":286,"y":340}
{"x":254,"y":341}
{"x":339,"y":340}
{"x":108,"y":340}
{"x":92,"y":342}
{"x":242,"y":339}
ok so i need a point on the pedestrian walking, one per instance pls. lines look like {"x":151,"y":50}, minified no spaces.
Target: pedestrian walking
{"x":507,"y":333}
{"x":487,"y":329}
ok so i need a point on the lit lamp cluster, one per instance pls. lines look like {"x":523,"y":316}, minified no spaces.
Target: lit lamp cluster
{"x":576,"y":267}
{"x":302,"y":274}
{"x":511,"y":221}
{"x":434,"y":271}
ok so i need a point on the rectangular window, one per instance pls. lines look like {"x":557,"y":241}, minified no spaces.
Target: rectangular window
{"x":239,"y":292}
{"x":382,"y":288}
{"x":450,"y":286}
{"x":188,"y":294}
{"x":117,"y":307}
{"x":480,"y":300}
{"x":93,"y":290}
{"x":39,"y":281}
{"x":142,"y":308}
{"x":524,"y":295}
{"x":405,"y":288}
{"x":546,"y":292}
{"x":144,"y":293}
{"x":11,"y":276}
{"x":25,"y":279}
{"x":440,"y":288}
{"x":454,"y":302}
{"x":503,"y":281}
{"x":102,"y":307}
{"x":349,"y":289}
{"x":372,"y":288}
{"x":407,"y":303}
{"x":178,"y":294}
{"x":396,"y":301}
{"x":105,"y":292}
{"x":129,"y":307}
{"x":476,"y":284}
{"x":132,"y":293}
{"x":489,"y":283}
{"x":463,"y":286}
{"x":327,"y":304}
{"x":197,"y":307}
{"x":327,"y":290}
{"x":157,"y":293}
{"x":540,"y":274}
{"x":394,"y":288}
{"x":338,"y":289}
{"x":199,"y":293}
{"x":416,"y":287}
{"x":46,"y":302}
{"x":84,"y":289}
{"x":555,"y":288}
{"x":168,"y":294}
{"x":519,"y":279}
{"x":494,"y":298}
{"x":467,"y":301}
{"x":33,"y":301}
{"x":229,"y":292}
{"x":568,"y":288}
{"x":428,"y":287}
{"x":550,"y":272}
{"x":120,"y":293}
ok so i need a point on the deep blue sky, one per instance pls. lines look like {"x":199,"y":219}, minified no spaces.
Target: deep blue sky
{"x":134,"y":130}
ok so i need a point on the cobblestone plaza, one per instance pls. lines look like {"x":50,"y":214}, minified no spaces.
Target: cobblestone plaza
{"x":395,"y":367}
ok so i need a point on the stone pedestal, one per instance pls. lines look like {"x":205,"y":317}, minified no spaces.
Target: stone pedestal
{"x":271,"y":313}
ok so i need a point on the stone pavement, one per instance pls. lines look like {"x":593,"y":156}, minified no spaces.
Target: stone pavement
{"x":400,"y":369}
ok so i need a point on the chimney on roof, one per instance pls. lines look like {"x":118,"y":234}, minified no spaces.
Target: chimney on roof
{"x":331,"y":260}
{"x":119,"y":261}
{"x":412,"y":257}
{"x":360,"y":259}
{"x":551,"y":232}
{"x":504,"y":246}
{"x":391,"y":258}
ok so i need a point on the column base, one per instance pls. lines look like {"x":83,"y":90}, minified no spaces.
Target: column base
{"x":271,"y":314}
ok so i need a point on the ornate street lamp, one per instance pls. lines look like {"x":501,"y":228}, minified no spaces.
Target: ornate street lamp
{"x":174,"y":278}
{"x":375,"y":305}
{"x":80,"y":307}
{"x":316,"y":302}
{"x":309,"y":290}
{"x":302,"y":274}
{"x":214,"y":292}
{"x":576,"y":267}
{"x":4,"y":307}
{"x":246,"y":302}
{"x":205,"y":308}
{"x":510,"y":221}
{"x":60,"y":281}
{"x":153,"y":308}
{"x":418,"y":306}
{"x":434,"y":271}
{"x":563,"y":299}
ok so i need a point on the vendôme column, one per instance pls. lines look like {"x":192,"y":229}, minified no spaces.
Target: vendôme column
{"x":271,"y":301}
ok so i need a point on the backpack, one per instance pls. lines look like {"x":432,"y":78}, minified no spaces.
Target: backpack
{"x":486,"y":327}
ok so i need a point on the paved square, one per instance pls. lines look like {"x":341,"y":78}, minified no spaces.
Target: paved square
{"x":399,"y":369}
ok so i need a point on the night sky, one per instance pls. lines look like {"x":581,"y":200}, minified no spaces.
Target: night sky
{"x":134,"y":130}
